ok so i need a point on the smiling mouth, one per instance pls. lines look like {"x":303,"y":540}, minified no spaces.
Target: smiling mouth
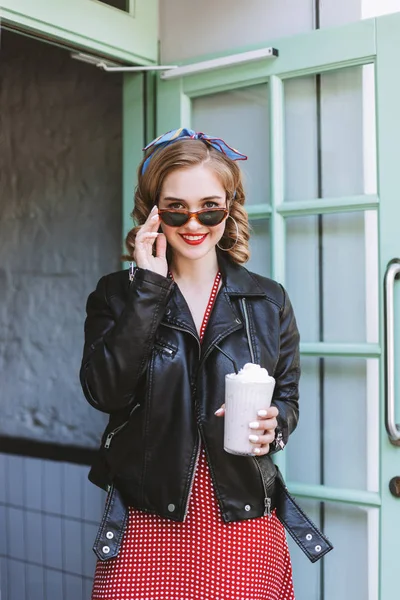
{"x":194,"y":240}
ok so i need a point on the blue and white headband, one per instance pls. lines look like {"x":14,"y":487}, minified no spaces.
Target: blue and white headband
{"x":189,"y":134}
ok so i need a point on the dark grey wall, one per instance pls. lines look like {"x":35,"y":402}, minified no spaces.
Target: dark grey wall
{"x":60,"y":230}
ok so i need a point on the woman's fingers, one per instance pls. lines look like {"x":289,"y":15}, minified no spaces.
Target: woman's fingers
{"x":161,"y":245}
{"x":266,"y":419}
{"x":152,"y":222}
{"x":261,"y":450}
{"x":150,"y":226}
{"x":268,"y":413}
{"x":144,"y":243}
{"x":264,"y":424}
{"x":261,"y":440}
{"x":263,"y":430}
{"x":148,"y":236}
{"x":144,"y":248}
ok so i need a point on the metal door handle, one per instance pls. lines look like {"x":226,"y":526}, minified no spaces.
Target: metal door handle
{"x":393,"y":430}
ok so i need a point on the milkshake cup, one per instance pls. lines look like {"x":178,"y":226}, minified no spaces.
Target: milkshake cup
{"x":246,"y":393}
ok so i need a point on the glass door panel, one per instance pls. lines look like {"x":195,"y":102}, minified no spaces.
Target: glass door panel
{"x":260,"y":243}
{"x":302,"y":274}
{"x":301,"y":139}
{"x":325,"y":133}
{"x":241,"y":118}
{"x":351,"y":573}
{"x":331,"y":275}
{"x":338,"y":423}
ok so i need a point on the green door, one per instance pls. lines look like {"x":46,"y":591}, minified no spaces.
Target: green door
{"x":314,"y":121}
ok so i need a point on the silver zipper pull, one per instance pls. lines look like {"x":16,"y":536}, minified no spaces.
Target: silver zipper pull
{"x":108,"y":439}
{"x":279,"y":440}
{"x":131,"y":271}
{"x":267,"y":503}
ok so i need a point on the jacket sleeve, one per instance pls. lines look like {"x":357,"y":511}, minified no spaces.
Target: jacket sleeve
{"x":117,"y":349}
{"x":287,"y":375}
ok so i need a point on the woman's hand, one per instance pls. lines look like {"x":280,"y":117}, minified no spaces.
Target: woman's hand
{"x":145,"y":238}
{"x":262,"y":430}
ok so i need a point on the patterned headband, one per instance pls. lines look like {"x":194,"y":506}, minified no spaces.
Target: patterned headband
{"x":189,"y":134}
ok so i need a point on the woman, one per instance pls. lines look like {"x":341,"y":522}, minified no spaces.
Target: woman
{"x":158,"y":344}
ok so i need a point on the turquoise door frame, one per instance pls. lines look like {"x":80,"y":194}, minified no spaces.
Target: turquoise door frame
{"x":138,"y":130}
{"x":388,"y":126}
{"x":375,"y":41}
{"x":89,"y":25}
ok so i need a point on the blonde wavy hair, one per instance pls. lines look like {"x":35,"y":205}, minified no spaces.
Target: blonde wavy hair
{"x":184,"y":154}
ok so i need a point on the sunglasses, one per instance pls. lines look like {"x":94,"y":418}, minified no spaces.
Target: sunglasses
{"x":178,"y":217}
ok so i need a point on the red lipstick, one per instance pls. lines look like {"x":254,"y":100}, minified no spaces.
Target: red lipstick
{"x":192,"y":239}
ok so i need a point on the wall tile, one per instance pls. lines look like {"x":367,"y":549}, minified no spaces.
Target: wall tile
{"x":88,"y":584}
{"x":72,"y":536}
{"x":53,"y":585}
{"x":52,"y":486}
{"x":16,"y":580}
{"x":15,"y":479}
{"x":3,"y":458}
{"x":33,"y":472}
{"x":89,"y":557}
{"x":74,"y":588}
{"x":35,"y":583}
{"x":93,"y":502}
{"x":73,"y":482}
{"x":16,"y":541}
{"x":3,"y":531}
{"x":4,"y":566}
{"x":52,"y":542}
{"x":34,"y":537}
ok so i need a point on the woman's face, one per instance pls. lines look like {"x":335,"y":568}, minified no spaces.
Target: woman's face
{"x":193,"y":189}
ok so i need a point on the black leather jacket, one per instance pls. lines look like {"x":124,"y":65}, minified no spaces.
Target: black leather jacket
{"x":144,"y":365}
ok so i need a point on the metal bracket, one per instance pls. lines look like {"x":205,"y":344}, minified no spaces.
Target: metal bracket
{"x":175,"y":71}
{"x":230,"y":60}
{"x":113,"y":67}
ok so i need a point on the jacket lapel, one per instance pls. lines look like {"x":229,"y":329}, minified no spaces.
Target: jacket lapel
{"x":237,"y":282}
{"x":177,"y":313}
{"x":224,"y":320}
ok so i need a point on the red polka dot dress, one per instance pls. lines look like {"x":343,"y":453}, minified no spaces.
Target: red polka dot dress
{"x":202,"y":558}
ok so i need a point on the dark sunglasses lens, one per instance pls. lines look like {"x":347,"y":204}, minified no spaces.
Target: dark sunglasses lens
{"x":174,"y":219}
{"x":211,"y":217}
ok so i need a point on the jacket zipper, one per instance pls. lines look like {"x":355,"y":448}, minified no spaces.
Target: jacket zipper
{"x":185,"y":331}
{"x":247,"y":326}
{"x":198,"y":431}
{"x":192,"y":481}
{"x":199,"y":437}
{"x":267,"y":499}
{"x":195,"y":463}
{"x":114,"y":432}
{"x":164,"y":349}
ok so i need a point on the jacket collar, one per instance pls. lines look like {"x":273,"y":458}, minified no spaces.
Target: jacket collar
{"x":237,"y":282}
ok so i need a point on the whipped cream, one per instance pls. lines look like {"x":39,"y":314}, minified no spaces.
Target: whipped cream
{"x":251,"y":373}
